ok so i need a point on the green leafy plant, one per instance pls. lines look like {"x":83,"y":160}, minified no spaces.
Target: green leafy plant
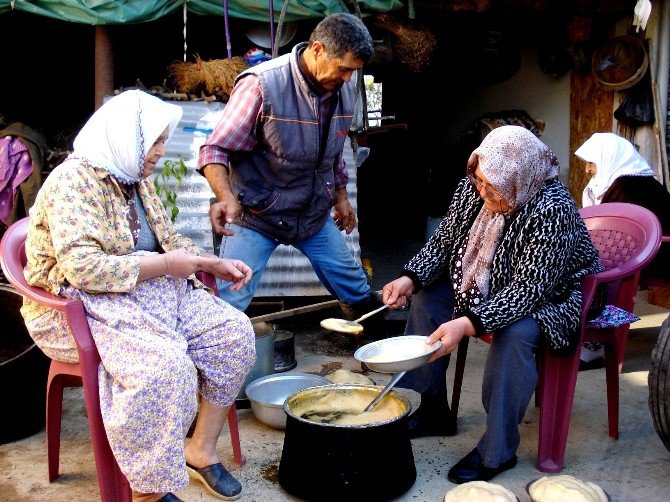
{"x":171,"y":169}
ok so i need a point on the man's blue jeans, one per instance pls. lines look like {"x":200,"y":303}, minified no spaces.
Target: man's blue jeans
{"x":326,"y":250}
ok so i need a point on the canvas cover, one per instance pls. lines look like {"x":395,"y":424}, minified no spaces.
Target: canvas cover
{"x":139,"y":11}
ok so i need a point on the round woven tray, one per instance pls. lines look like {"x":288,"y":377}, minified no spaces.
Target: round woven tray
{"x":620,"y":62}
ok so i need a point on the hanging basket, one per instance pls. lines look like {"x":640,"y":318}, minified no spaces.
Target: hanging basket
{"x":215,"y":76}
{"x":414,"y":46}
{"x":620,"y":63}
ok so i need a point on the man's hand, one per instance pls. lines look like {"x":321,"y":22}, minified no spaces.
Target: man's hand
{"x":222,"y":212}
{"x":228,"y":207}
{"x":450,"y":334}
{"x":396,"y":293}
{"x":343,"y":214}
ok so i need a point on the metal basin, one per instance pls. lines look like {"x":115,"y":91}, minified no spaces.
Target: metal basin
{"x":267,"y":395}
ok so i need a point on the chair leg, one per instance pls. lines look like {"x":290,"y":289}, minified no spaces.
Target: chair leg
{"x":558,"y":380}
{"x":612,"y":369}
{"x":61,"y":375}
{"x":54,"y":412}
{"x":461,"y":355}
{"x":539,"y":360}
{"x":235,"y":435}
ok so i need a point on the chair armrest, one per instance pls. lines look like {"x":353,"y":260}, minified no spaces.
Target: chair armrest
{"x":208,"y":280}
{"x":41,"y":296}
{"x":589,"y":288}
{"x":614,"y":274}
{"x":74,"y":312}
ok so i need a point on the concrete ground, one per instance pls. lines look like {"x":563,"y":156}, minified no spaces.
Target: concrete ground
{"x":636,"y":467}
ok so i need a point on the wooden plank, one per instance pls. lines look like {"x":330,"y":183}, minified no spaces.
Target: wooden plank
{"x":294,"y":311}
{"x":590,"y":111}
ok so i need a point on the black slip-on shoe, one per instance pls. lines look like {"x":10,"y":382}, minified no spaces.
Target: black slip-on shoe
{"x":170,"y":497}
{"x":471,"y":468}
{"x":217,"y":481}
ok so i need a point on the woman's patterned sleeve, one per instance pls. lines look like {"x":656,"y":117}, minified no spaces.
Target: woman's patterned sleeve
{"x":78,"y":225}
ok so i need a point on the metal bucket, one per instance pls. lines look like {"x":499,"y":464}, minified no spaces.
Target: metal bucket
{"x":265,"y":356}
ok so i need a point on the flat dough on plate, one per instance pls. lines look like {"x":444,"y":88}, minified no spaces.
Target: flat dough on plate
{"x":479,"y":491}
{"x":348,"y":377}
{"x":565,"y":488}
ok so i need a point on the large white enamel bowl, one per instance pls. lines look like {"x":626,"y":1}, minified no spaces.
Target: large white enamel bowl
{"x":396,"y":354}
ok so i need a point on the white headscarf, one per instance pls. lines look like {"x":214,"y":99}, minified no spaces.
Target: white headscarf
{"x":120,"y":133}
{"x":516,"y":164}
{"x":614,"y":157}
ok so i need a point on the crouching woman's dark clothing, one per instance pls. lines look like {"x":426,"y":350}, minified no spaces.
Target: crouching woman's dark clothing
{"x":535,"y":298}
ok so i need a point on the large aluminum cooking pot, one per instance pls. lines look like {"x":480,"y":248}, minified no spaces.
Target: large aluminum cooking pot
{"x":325,"y":461}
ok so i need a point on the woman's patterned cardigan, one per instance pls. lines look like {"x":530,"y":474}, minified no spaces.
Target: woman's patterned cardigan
{"x":537,"y":270}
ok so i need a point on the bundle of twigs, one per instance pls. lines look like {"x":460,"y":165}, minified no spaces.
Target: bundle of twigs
{"x":216,"y":76}
{"x":413,"y":46}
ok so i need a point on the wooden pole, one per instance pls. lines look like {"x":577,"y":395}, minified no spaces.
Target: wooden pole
{"x":104,"y":65}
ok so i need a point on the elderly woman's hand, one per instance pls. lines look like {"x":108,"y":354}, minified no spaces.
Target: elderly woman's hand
{"x":450,"y":334}
{"x":235,"y":271}
{"x":396,"y":293}
{"x":180,"y":263}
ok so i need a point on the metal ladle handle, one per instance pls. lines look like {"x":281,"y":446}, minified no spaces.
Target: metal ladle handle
{"x":369,"y":314}
{"x":385,"y":390}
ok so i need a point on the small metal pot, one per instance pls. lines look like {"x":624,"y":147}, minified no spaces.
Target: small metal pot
{"x":322,"y":461}
{"x":284,"y":351}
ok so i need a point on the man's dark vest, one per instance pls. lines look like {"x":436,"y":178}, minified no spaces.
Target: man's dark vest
{"x":286,"y":184}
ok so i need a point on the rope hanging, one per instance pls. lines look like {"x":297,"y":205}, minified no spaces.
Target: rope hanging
{"x":225,"y":22}
{"x":272,"y":28}
{"x":185,"y":16}
{"x":280,"y":28}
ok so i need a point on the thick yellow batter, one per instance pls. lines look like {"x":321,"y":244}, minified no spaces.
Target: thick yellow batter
{"x":345,"y":407}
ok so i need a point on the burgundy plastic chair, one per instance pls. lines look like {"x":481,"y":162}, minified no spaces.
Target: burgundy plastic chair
{"x":113,"y":484}
{"x":627,"y":238}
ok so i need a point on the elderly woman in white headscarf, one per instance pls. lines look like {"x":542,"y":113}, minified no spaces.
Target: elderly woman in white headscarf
{"x":508,"y":259}
{"x":620,"y":174}
{"x":99,"y":232}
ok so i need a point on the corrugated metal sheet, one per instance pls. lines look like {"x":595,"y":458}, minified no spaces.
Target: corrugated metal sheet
{"x":288,"y":272}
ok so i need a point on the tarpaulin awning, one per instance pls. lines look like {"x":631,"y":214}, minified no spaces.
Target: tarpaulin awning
{"x":138,"y":11}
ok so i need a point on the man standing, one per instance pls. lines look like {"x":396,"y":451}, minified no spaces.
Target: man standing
{"x":275,"y":162}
